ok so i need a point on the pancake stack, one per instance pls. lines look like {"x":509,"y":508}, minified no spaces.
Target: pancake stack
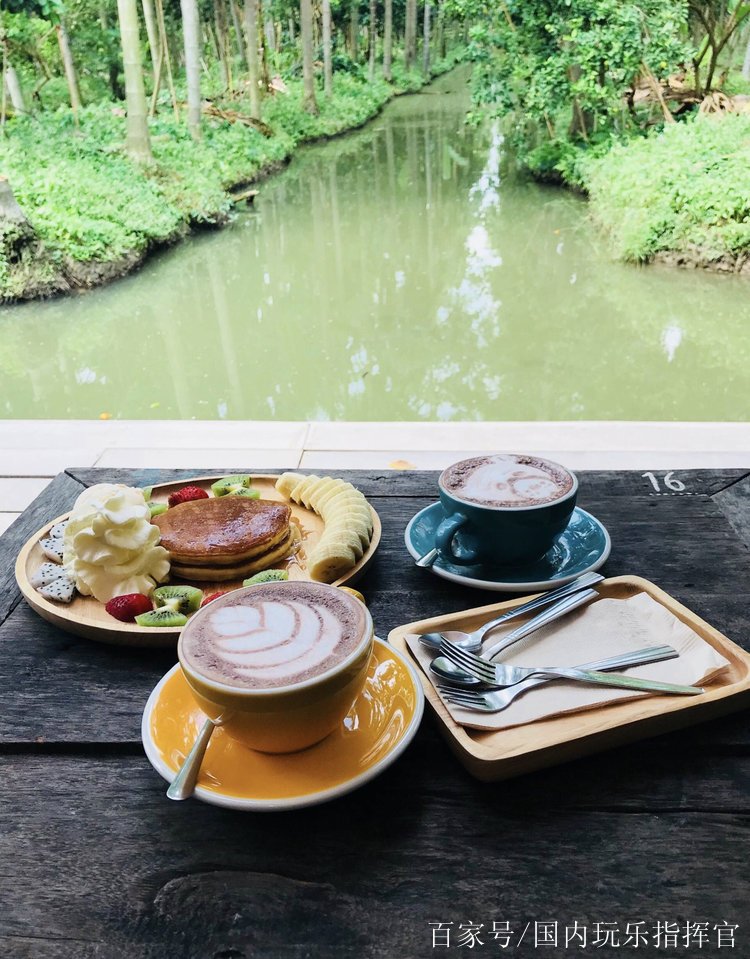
{"x":225,"y":538}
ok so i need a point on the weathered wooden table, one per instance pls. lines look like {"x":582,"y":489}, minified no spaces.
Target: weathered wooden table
{"x":96,"y":862}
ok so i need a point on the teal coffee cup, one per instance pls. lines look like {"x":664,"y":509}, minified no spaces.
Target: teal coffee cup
{"x":503,"y":509}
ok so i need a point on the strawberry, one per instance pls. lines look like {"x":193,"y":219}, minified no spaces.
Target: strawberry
{"x":127,"y":607}
{"x":213,"y":596}
{"x":185,"y":494}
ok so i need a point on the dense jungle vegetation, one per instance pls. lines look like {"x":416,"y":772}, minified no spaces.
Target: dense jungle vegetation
{"x":124,"y":124}
{"x":643,"y":105}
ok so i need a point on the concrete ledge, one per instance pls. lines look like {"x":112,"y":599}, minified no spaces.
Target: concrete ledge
{"x":31,"y":451}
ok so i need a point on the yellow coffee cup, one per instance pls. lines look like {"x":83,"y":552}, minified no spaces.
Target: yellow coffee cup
{"x":257,"y":667}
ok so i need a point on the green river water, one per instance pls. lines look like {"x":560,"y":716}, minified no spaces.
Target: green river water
{"x":398,"y":273}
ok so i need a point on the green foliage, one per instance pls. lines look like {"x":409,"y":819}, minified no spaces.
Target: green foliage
{"x":542,"y":60}
{"x":90,"y":203}
{"x":82,"y":201}
{"x":684,"y":189}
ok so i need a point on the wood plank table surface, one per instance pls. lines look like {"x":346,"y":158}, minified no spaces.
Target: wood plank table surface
{"x":96,"y":862}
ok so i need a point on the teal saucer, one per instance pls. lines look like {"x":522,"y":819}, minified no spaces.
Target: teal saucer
{"x":583,"y":546}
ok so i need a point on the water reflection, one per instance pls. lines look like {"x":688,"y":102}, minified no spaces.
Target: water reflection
{"x":397,"y":273}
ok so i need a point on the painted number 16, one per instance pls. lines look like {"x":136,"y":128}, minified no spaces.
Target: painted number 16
{"x":672,"y":484}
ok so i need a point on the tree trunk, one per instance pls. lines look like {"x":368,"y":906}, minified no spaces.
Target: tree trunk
{"x":269,"y":31}
{"x":70,"y":70}
{"x":222,"y":39}
{"x":14,"y":89}
{"x":373,"y":37}
{"x":327,"y":58}
{"x":440,"y":31}
{"x":19,"y":243}
{"x":388,"y":40}
{"x":151,"y":33}
{"x":251,"y":37}
{"x":241,"y":50}
{"x":166,"y":59}
{"x":191,"y":38}
{"x":292,"y":35}
{"x":746,"y":61}
{"x":354,"y":29}
{"x":410,"y":35}
{"x":113,"y":66}
{"x":265,"y":77}
{"x":4,"y":98}
{"x":138,"y":142}
{"x":426,"y":39}
{"x":309,"y":103}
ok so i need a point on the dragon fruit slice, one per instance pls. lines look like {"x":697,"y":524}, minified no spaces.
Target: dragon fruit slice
{"x":58,"y":530}
{"x":47,"y":573}
{"x":52,"y":549}
{"x":59,"y":590}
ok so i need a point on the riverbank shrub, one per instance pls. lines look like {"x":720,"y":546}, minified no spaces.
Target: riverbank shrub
{"x":90,"y":204}
{"x":587,"y":92}
{"x":685,"y":189}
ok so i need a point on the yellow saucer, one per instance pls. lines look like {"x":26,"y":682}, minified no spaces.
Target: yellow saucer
{"x":379,"y":726}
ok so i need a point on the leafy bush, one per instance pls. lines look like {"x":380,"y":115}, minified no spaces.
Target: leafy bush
{"x":687,"y":187}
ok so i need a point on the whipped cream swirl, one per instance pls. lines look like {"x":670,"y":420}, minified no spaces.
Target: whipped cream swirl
{"x":110,"y":546}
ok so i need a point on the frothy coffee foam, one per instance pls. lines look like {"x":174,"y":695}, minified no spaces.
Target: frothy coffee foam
{"x":507,"y":480}
{"x":274,"y":635}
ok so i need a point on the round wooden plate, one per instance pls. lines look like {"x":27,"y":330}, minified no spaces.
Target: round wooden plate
{"x":85,"y":616}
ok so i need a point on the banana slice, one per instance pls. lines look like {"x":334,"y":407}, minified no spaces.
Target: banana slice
{"x":337,"y":497}
{"x":356,"y":508}
{"x":286,"y":483}
{"x":343,"y":536}
{"x":362,"y":522}
{"x":347,"y":517}
{"x":330,"y":562}
{"x":321,"y":487}
{"x":302,"y":490}
{"x":351,"y":530}
{"x":332,"y":493}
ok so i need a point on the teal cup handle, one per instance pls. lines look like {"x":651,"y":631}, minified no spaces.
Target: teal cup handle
{"x":444,"y":541}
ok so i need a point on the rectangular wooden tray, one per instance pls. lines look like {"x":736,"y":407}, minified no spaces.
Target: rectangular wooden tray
{"x":501,"y":754}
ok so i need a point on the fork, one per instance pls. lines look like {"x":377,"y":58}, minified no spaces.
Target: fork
{"x":497,"y":675}
{"x":444,"y":666}
{"x":494,"y":701}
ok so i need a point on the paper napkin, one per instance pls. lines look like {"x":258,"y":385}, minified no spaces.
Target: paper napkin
{"x":606,"y":627}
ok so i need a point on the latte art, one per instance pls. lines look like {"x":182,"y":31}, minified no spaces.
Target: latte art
{"x":274,"y":639}
{"x":274,"y":635}
{"x":507,"y":480}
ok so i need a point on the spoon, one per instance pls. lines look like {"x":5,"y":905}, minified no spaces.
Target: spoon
{"x":428,"y":559}
{"x":473,"y":641}
{"x":183,"y":784}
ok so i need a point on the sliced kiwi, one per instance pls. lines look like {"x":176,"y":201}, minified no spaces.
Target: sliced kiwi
{"x":178,"y":599}
{"x":161,"y":617}
{"x":230,"y":484}
{"x":147,"y":491}
{"x":157,"y":508}
{"x":249,"y":493}
{"x":267,"y":576}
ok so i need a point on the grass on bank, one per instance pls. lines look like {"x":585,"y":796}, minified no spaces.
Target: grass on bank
{"x":685,"y":189}
{"x":682,"y":188}
{"x":91,"y":204}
